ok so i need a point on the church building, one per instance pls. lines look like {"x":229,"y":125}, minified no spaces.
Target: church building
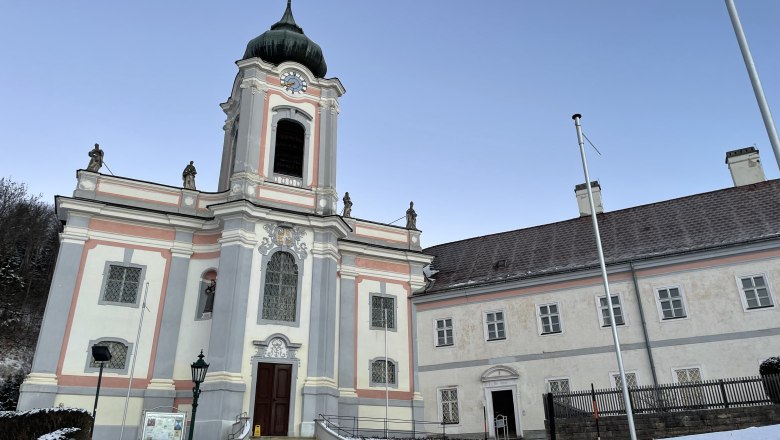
{"x":299,"y":308}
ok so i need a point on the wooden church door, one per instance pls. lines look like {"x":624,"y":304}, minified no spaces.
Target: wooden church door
{"x":272,"y":398}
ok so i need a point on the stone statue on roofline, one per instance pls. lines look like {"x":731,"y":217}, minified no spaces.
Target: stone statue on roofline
{"x":95,"y":159}
{"x":411,"y":217}
{"x":347,"y":205}
{"x":188,"y":176}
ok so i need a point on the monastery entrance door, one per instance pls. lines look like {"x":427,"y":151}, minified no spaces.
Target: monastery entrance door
{"x":272,"y":398}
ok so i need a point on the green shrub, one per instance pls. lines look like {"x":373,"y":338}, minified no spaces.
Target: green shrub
{"x":35,"y":423}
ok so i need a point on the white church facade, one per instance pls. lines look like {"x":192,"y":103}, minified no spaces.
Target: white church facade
{"x":285,"y":296}
{"x":288,"y":295}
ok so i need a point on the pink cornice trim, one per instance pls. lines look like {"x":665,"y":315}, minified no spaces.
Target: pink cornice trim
{"x":524,"y":291}
{"x":108,"y":382}
{"x":205,"y":255}
{"x":391,"y":231}
{"x":380,"y":394}
{"x":134,"y":230}
{"x":142,"y":199}
{"x":212,"y":238}
{"x":382,"y":265}
{"x":700,"y":264}
{"x":182,"y":384}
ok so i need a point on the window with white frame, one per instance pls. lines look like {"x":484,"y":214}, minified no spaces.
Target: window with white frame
{"x":617,"y":310}
{"x":495,"y":328}
{"x":549,"y":318}
{"x":756,"y":292}
{"x":118,"y":352}
{"x":558,"y":385}
{"x":450,"y":413}
{"x":380,"y":304}
{"x":671,"y":302}
{"x":444,"y":332}
{"x":631,"y":380}
{"x":687,"y":375}
{"x":122,"y":284}
{"x":380,"y":371}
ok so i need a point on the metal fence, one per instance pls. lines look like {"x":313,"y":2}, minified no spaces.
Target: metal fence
{"x":376,"y":427}
{"x":706,"y":394}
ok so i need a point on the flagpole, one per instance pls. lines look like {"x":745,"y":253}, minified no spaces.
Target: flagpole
{"x":387,"y":378}
{"x":605,"y":279}
{"x":135,"y":355}
{"x":769,"y":123}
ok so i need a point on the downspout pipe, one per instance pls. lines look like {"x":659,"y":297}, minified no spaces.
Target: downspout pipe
{"x":644,"y":323}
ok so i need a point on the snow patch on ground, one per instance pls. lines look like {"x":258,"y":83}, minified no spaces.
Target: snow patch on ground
{"x":60,"y":434}
{"x":771,"y":432}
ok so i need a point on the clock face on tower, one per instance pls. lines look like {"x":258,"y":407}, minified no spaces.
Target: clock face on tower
{"x":293,"y":82}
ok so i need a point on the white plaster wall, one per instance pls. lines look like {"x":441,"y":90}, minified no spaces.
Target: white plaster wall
{"x":110,"y":409}
{"x":378,"y":412}
{"x":371,"y":342}
{"x":193,"y":334}
{"x":93,"y":321}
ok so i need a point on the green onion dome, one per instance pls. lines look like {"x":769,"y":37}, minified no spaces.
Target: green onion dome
{"x":287,"y":42}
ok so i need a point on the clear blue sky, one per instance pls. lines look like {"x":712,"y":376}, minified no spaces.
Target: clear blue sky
{"x":462,"y":106}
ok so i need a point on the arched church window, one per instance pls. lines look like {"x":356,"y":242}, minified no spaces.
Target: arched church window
{"x":288,"y":155}
{"x":118,"y":352}
{"x":281,"y":288}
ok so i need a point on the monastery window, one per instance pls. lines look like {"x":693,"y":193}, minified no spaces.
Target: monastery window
{"x":206,"y":295}
{"x":755,"y":292}
{"x":121,"y":284}
{"x":617,"y":310}
{"x":281,"y":288}
{"x":289,"y":148}
{"x":380,"y":303}
{"x":378,"y":369}
{"x":687,"y":375}
{"x":557,"y":385}
{"x":120,"y":351}
{"x":688,"y":396}
{"x":631,"y":379}
{"x":444,"y":337}
{"x":670,"y":301}
{"x":495,"y":329}
{"x":448,"y":405}
{"x":549,"y":318}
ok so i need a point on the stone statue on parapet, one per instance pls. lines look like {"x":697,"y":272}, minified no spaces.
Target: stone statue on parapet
{"x":95,"y":159}
{"x":411,"y":217}
{"x":188,"y":176}
{"x":347,"y":205}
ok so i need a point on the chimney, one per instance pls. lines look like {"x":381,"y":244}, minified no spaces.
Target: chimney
{"x":581,"y":191}
{"x":745,"y":166}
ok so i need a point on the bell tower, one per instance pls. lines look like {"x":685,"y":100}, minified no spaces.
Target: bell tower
{"x":280,"y":134}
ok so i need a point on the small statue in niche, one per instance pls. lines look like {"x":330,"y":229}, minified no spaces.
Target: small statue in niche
{"x":95,"y":159}
{"x":411,"y":217}
{"x":210,"y":291}
{"x":347,"y":205}
{"x":188,"y":176}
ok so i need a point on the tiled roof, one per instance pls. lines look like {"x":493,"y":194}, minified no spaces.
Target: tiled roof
{"x":702,"y":221}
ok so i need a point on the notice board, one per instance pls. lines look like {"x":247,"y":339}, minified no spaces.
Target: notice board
{"x":164,"y":426}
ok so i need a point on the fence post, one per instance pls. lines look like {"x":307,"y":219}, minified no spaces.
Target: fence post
{"x":551,"y":414}
{"x":723,"y":392}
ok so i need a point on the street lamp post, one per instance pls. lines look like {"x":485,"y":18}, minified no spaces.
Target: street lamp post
{"x":101,"y":355}
{"x":199,"y":369}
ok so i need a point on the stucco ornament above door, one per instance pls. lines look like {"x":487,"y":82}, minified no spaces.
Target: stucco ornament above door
{"x":499,"y":372}
{"x":284,"y":236}
{"x":276,"y":347}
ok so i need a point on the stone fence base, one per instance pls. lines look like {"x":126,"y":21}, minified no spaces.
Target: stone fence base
{"x":663,"y":425}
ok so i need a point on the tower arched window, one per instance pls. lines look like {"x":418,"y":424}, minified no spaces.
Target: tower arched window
{"x":288,"y":155}
{"x":281,"y":288}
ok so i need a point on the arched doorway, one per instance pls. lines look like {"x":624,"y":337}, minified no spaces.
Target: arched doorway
{"x":500,"y":386}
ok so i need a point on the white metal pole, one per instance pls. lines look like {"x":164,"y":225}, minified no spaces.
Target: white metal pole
{"x":605,"y":279}
{"x":387,"y":378}
{"x":132,"y":364}
{"x":769,"y":123}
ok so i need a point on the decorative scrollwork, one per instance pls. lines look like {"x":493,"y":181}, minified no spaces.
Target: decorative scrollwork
{"x":284,"y":236}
